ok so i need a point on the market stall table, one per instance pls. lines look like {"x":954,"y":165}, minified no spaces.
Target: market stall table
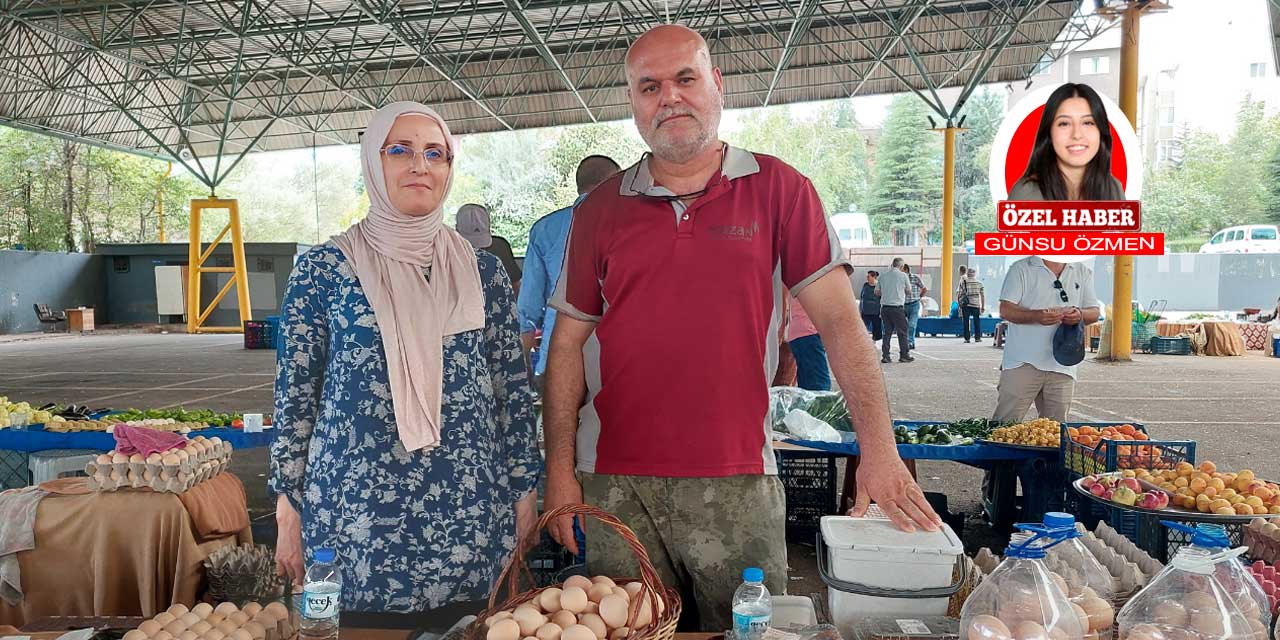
{"x":1222,"y":339}
{"x":1171,"y":329}
{"x":117,"y":553}
{"x":1255,"y":335}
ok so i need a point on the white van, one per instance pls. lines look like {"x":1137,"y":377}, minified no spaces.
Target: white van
{"x":1249,"y":238}
{"x":853,"y":229}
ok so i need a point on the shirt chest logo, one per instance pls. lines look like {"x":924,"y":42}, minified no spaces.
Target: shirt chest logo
{"x":738,"y":232}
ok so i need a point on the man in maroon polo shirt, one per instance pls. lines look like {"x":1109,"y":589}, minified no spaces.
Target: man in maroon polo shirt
{"x":671,"y":298}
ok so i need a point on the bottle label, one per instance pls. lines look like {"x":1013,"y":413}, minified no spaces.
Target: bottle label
{"x":749,"y":626}
{"x":320,"y":606}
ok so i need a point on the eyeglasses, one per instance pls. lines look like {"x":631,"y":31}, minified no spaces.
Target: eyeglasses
{"x":1062,"y":293}
{"x":400,"y":154}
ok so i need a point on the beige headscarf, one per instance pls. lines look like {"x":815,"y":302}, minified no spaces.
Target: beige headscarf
{"x":389,"y":250}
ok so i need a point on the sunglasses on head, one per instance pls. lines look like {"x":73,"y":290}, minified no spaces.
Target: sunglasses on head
{"x":1062,"y":293}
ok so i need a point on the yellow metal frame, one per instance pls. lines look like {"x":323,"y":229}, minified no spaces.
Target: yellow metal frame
{"x":195,"y":267}
{"x":948,"y":214}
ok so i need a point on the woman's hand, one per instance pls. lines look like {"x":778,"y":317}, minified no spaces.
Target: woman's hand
{"x":527,"y":520}
{"x":288,"y":541}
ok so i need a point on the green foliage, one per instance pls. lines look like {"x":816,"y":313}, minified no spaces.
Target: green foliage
{"x":907,"y":191}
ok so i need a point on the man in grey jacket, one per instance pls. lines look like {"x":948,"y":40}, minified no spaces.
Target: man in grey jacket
{"x":894,"y":288}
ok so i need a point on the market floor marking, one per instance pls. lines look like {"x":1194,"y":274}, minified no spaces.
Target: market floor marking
{"x":255,"y":387}
{"x":151,"y":389}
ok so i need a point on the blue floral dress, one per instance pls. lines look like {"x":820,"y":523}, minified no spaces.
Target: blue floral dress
{"x":415,"y":530}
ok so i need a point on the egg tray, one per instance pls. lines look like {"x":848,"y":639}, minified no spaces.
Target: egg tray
{"x":159,"y":476}
{"x":75,"y":426}
{"x":224,"y":622}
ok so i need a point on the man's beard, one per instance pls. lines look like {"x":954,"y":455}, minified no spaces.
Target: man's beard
{"x":679,"y":151}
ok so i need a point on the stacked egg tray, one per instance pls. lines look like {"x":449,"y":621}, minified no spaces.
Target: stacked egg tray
{"x":173,"y":471}
{"x":224,"y":622}
{"x":107,"y":425}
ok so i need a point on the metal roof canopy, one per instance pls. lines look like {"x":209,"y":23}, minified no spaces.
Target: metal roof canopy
{"x":204,"y":82}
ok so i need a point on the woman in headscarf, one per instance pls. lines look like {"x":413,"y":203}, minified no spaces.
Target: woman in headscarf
{"x":406,"y":439}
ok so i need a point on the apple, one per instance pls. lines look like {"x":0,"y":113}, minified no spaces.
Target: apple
{"x":1109,"y":494}
{"x":1131,"y":484}
{"x":1089,"y":481}
{"x":1125,"y":496}
{"x":1098,"y":489}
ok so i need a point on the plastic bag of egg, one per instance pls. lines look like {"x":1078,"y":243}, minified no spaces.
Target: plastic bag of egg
{"x":224,"y":622}
{"x":580,"y":609}
{"x":175,"y":470}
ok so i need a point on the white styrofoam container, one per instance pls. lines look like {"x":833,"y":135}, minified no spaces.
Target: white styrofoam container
{"x":793,"y":611}
{"x":874,"y":554}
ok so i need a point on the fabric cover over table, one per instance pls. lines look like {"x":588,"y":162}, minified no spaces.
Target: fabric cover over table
{"x":1255,"y":335}
{"x":1222,"y":339}
{"x":37,"y":439}
{"x":1171,"y":329}
{"x":113,"y":553}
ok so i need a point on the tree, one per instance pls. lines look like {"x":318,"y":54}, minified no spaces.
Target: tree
{"x":907,"y":192}
{"x":974,"y":210}
{"x":827,"y":148}
{"x":1272,"y":203}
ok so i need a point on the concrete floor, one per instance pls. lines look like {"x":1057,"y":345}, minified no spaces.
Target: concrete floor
{"x":1229,"y":405}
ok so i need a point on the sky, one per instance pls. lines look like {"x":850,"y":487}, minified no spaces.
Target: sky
{"x":1198,"y":38}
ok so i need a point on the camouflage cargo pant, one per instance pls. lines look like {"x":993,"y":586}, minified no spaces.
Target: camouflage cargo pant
{"x":700,"y":534}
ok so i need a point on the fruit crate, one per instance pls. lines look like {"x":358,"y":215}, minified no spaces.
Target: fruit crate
{"x":1171,"y":346}
{"x":1117,"y":455}
{"x":809,"y":481}
{"x":1145,"y":530}
{"x":547,"y":560}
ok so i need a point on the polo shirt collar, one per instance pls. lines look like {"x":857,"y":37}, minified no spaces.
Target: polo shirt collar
{"x":1037,"y":261}
{"x":636,"y":181}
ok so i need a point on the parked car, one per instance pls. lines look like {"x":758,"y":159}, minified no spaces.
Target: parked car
{"x":853,"y":229}
{"x":1249,"y":238}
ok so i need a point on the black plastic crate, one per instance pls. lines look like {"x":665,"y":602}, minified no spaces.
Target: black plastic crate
{"x":547,"y":560}
{"x":810,"y":484}
{"x":259,"y":335}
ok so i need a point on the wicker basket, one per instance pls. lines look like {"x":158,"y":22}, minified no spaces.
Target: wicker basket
{"x":663,"y":626}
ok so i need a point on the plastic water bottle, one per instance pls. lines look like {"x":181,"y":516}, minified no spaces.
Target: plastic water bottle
{"x":752,"y":606}
{"x":321,"y":598}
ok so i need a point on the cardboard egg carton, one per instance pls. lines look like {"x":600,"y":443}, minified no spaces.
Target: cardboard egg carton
{"x":171,"y":471}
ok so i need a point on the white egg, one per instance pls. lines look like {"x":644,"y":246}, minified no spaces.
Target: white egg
{"x":574,"y":599}
{"x":598,"y":591}
{"x":171,"y":460}
{"x":549,"y":631}
{"x":529,"y":619}
{"x":549,"y":600}
{"x":595,"y":624}
{"x":251,"y":609}
{"x":564,"y":619}
{"x":581,"y":582}
{"x":578,"y":632}
{"x":507,"y":629}
{"x":613,"y":610}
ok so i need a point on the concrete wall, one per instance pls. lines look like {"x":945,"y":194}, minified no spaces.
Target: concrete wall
{"x":60,"y":280}
{"x":131,"y":282}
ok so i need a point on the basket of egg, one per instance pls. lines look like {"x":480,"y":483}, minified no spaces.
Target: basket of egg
{"x":224,"y":622}
{"x":174,"y":470}
{"x":599,"y":608}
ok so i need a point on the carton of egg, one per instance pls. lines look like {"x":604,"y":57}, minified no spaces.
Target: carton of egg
{"x":580,"y":609}
{"x":174,"y":470}
{"x":224,"y":622}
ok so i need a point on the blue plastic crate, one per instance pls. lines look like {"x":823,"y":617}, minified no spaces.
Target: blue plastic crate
{"x":1275,"y":346}
{"x":1117,"y":455}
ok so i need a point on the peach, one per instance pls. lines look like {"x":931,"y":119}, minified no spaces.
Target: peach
{"x":1274,"y":510}
{"x":1246,"y":474}
{"x":1219,"y":504}
{"x":1210,"y":491}
{"x":1225,"y":511}
{"x":1198,"y":485}
{"x":1217,"y":483}
{"x":1208,"y":467}
{"x":1184,"y":468}
{"x":1181,"y":481}
{"x":1254,"y":501}
{"x":1243,"y":509}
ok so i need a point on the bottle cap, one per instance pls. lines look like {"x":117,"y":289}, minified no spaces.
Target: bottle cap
{"x":1057,"y":520}
{"x":324,"y":555}
{"x":753,"y":574}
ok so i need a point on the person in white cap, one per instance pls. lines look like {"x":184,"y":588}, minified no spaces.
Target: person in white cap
{"x":473,"y":224}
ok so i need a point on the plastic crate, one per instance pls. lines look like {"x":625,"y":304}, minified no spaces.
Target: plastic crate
{"x":1275,"y":346}
{"x":1117,"y":455}
{"x":810,"y":484}
{"x":1145,"y":530}
{"x":1171,"y":346}
{"x":547,"y":560}
{"x":258,"y":335}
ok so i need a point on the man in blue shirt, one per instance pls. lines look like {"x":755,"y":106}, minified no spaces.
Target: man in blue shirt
{"x":543,"y":261}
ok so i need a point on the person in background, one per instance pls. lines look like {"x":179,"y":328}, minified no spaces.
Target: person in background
{"x":869,"y":305}
{"x":912,"y":307}
{"x":1037,"y":296}
{"x":893,"y":288}
{"x":473,"y":224}
{"x":955,"y":296}
{"x":1273,"y":329}
{"x":812,"y":371}
{"x":973,"y":299}
{"x":542,"y":264}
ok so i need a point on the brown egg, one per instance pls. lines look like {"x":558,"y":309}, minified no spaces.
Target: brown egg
{"x":214,"y":618}
{"x":103,"y":459}
{"x":613,"y":610}
{"x":278,"y":610}
{"x":1209,"y":624}
{"x":164,"y":618}
{"x":620,"y":633}
{"x":188,"y":635}
{"x":201,"y":627}
{"x":632,"y":588}
{"x":178,"y":610}
{"x":529,"y":619}
{"x":1060,"y":582}
{"x":119,"y":458}
{"x":155,"y":458}
{"x":595,"y":624}
{"x":239,"y":618}
{"x":507,"y":629}
{"x":1101,"y":614}
{"x":162,"y":635}
{"x":176,"y":627}
{"x":214,"y":634}
{"x":988,"y":628}
{"x":172,"y":460}
{"x":1145,"y":632}
{"x":265,"y":619}
{"x":136,"y":634}
{"x":573,"y":599}
{"x":150,"y":627}
{"x":1199,"y":601}
{"x":549,"y":600}
{"x":578,"y":632}
{"x":256,"y":630}
{"x":227,"y":626}
{"x":643,"y":612}
{"x":1081,"y":616}
{"x":240,"y":634}
{"x":189,"y":618}
{"x":564,"y":619}
{"x":549,"y":631}
{"x":598,"y":591}
{"x":226,"y":608}
{"x":1028,"y":630}
{"x":603,"y":580}
{"x":1170,"y":613}
{"x":581,"y":582}
{"x":251,"y":609}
